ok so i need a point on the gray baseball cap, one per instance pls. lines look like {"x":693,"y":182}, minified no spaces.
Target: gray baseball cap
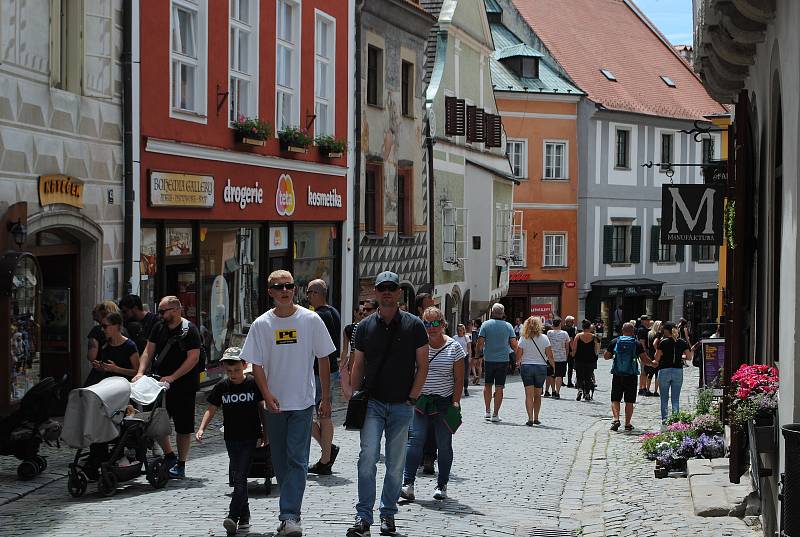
{"x":232,"y":354}
{"x":387,"y":276}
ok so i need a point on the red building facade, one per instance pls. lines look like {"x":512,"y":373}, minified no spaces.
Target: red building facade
{"x":218,"y":213}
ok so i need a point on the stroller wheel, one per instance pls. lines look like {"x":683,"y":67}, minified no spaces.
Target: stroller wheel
{"x":76,"y":484}
{"x":157,"y":473}
{"x":108,"y":483}
{"x":41,"y":462}
{"x":27,"y":470}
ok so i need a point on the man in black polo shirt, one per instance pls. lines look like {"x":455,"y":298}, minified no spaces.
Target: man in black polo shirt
{"x":133,"y":311}
{"x":391,"y":357}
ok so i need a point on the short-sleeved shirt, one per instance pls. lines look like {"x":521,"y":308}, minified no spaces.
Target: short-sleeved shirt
{"x":463,"y":341}
{"x":287,"y":347}
{"x":531,"y":355}
{"x":240,"y":408}
{"x":119,"y":355}
{"x":641,"y":333}
{"x":612,"y":346}
{"x":558,"y":340}
{"x":571,"y":331}
{"x":167,"y":365}
{"x":496,"y":334}
{"x":671,"y":352}
{"x":145,"y":327}
{"x":333,"y":322}
{"x":440,"y":379}
{"x":395,"y":344}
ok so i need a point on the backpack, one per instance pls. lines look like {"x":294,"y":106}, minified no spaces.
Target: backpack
{"x":180,"y":340}
{"x":625,"y":360}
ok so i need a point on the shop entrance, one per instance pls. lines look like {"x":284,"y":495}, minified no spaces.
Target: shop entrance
{"x":181,"y":281}
{"x":700,"y":309}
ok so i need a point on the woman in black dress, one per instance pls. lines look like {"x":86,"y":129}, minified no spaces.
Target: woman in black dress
{"x":585,"y":347}
{"x":118,"y":356}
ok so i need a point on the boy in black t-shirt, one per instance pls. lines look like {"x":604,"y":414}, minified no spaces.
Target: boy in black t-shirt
{"x":242,"y":408}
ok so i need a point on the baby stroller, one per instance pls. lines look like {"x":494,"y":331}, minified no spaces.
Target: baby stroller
{"x":118,"y":437}
{"x":23,"y":431}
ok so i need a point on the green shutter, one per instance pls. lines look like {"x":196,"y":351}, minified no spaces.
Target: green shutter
{"x":608,"y":237}
{"x":654,"y":243}
{"x":636,"y":244}
{"x":695,"y":253}
{"x":680,"y":254}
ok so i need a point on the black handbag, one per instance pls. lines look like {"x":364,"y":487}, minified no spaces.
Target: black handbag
{"x":357,"y":405}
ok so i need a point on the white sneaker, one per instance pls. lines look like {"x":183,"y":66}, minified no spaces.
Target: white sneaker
{"x":440,"y":493}
{"x":495,"y":419}
{"x":290,"y":528}
{"x":407,"y":492}
{"x":487,"y":416}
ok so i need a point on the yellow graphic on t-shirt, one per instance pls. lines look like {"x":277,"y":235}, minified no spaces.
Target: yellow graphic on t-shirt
{"x":286,"y":337}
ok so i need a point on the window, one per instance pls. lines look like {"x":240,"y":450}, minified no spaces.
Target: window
{"x":555,"y":251}
{"x":668,"y":81}
{"x":666,"y":252}
{"x":619,"y":245}
{"x":517,"y":155}
{"x":243,"y":59}
{"x":705,"y":253}
{"x":373,"y":202}
{"x":518,"y":254}
{"x":407,"y":88}
{"x":454,"y":232}
{"x":608,"y":74}
{"x":555,"y":160}
{"x":67,"y":55}
{"x":374,"y":75}
{"x":324,"y":74}
{"x":530,"y":67}
{"x":287,"y":87}
{"x":405,"y":192}
{"x":188,"y":56}
{"x":708,"y":150}
{"x":666,"y":150}
{"x":622,"y":149}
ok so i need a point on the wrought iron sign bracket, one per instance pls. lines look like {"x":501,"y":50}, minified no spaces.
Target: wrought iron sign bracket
{"x":719,"y":176}
{"x":699,"y":130}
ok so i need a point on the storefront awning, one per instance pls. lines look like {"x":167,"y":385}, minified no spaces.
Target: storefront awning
{"x":643,"y":287}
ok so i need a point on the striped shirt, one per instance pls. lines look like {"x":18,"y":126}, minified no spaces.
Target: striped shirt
{"x":441,"y":361}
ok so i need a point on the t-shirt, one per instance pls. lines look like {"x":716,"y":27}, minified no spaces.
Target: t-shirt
{"x":464,"y":342}
{"x":287,"y":347}
{"x":176,"y":355}
{"x":333,"y":322}
{"x":642,"y":333}
{"x":440,"y":380}
{"x":474,"y":341}
{"x":571,"y":331}
{"x":530,"y":353}
{"x":391,"y":348}
{"x":671,"y":352}
{"x":145,"y":327}
{"x":612,"y":348}
{"x":240,"y":408}
{"x":558,"y":340}
{"x":120,"y":355}
{"x":496,"y":334}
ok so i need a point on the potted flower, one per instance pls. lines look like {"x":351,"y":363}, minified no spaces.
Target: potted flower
{"x":251,"y":130}
{"x":329,"y":146}
{"x":294,"y":140}
{"x":754,"y":402}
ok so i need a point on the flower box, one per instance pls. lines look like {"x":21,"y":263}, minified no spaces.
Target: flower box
{"x":251,"y":141}
{"x":293,"y":149}
{"x":762,"y":437}
{"x":333,"y":155}
{"x":251,"y":131}
{"x":330,"y":147}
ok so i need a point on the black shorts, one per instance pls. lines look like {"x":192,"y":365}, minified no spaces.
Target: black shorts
{"x":180,"y":407}
{"x":624,"y":386}
{"x":650,"y":371}
{"x":560,"y":371}
{"x":495,"y":373}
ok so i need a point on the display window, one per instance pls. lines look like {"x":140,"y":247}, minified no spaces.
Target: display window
{"x":314,"y":257}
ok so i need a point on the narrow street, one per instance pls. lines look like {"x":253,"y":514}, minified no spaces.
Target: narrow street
{"x":570,"y":473}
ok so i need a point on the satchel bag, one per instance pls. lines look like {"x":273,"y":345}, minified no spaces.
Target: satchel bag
{"x":357,"y":405}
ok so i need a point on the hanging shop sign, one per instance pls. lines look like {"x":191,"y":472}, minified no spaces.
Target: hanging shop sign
{"x":60,"y":189}
{"x":181,"y":190}
{"x":691,"y":214}
{"x":284,"y":196}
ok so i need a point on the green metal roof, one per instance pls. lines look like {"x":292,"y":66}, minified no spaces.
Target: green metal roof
{"x":517,"y":50}
{"x":492,"y":6}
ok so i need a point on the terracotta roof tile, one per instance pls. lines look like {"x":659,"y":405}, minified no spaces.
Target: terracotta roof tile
{"x":586,"y":36}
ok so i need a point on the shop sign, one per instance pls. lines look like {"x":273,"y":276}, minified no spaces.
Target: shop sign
{"x":569,"y":285}
{"x":279,"y":238}
{"x":324,"y":199}
{"x":691,"y":214}
{"x":284,"y":196}
{"x":518,"y":276}
{"x":60,"y":189}
{"x":243,"y":194}
{"x":542,"y":310}
{"x":181,"y":190}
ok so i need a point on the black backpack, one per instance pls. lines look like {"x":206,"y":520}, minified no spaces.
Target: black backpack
{"x":180,"y":339}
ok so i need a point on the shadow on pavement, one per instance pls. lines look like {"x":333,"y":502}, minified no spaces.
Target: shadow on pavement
{"x":329,"y":480}
{"x":449,"y":506}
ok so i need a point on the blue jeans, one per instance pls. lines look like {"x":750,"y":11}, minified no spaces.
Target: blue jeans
{"x":416,"y":440}
{"x":391,"y":420}
{"x":670,"y":381}
{"x":290,"y":442}
{"x":240,"y":453}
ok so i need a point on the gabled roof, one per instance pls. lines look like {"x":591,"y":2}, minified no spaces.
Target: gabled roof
{"x":585,"y":36}
{"x":516,"y":50}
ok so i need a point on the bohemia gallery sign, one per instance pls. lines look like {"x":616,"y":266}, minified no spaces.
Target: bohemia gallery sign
{"x":691,"y":214}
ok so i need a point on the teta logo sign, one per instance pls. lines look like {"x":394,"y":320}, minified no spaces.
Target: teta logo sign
{"x":284,"y":196}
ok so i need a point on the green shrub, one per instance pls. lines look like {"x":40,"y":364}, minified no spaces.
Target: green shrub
{"x":705,"y":400}
{"x":682,"y":416}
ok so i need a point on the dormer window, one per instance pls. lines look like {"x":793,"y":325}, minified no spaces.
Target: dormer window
{"x":523,"y":66}
{"x":609,"y":75}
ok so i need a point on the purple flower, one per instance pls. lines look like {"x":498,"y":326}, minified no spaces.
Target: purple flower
{"x":710,"y":446}
{"x":687,"y":448}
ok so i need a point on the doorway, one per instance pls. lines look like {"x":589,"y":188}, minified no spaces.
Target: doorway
{"x":61,"y":314}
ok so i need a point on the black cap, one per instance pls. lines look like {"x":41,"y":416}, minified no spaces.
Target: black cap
{"x":668,"y":325}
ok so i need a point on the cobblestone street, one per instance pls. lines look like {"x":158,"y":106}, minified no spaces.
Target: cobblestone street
{"x":570,"y":473}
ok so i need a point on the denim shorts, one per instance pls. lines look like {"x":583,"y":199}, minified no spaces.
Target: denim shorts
{"x":533,"y":375}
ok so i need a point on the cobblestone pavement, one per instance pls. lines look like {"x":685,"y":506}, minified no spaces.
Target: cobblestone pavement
{"x":571,"y":473}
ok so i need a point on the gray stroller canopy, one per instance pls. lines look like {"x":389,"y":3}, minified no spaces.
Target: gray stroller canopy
{"x":95,"y":412}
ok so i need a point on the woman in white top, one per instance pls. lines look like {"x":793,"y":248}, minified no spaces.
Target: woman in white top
{"x":533,"y":356}
{"x":463,"y":339}
{"x":441,"y":390}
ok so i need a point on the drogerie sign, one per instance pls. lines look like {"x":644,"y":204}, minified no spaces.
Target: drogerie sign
{"x":691,"y":214}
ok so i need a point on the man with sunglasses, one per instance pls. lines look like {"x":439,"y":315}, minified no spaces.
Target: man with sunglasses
{"x":391,"y":361}
{"x":173,"y":347}
{"x":283,"y":344}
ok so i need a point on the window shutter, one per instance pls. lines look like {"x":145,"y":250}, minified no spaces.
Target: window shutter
{"x":460,"y":119}
{"x":636,"y":244}
{"x":493,"y":130}
{"x":471,"y":123}
{"x":695,"y":253}
{"x":716,"y":253}
{"x":480,"y":125}
{"x":450,"y":116}
{"x":654,"y":243}
{"x":608,"y":238}
{"x":680,"y":253}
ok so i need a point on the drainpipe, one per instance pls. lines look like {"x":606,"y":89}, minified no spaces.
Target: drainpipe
{"x":128,"y":8}
{"x":357,"y":157}
{"x":431,"y":205}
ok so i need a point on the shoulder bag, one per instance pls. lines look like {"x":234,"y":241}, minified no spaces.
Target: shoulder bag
{"x":546,"y":361}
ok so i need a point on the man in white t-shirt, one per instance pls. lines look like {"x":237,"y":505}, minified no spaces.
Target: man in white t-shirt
{"x":282,"y":345}
{"x":559,"y":340}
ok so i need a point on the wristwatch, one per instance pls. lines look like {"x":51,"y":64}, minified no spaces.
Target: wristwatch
{"x":412,"y":400}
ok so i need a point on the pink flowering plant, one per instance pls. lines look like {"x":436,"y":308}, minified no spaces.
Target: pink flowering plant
{"x":755,"y":394}
{"x":252,"y":127}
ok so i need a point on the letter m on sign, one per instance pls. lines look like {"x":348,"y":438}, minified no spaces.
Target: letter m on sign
{"x":691,"y":214}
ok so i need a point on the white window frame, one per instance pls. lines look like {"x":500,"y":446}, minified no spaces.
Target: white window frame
{"x":249,"y":77}
{"x":627,"y":165}
{"x":519,"y":250}
{"x":198,"y":114}
{"x":564,"y":162}
{"x":294,"y":46}
{"x":523,"y":163}
{"x":628,"y":225}
{"x":330,"y":62}
{"x":554,"y":234}
{"x":505,"y":219}
{"x":454,"y":236}
{"x":671,"y":158}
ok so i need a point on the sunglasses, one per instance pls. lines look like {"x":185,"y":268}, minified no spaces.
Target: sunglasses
{"x":282,"y":286}
{"x":391,"y":287}
{"x":432,"y":324}
{"x":162,"y":312}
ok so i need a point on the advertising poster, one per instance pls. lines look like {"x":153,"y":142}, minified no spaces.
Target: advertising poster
{"x":713,"y":361}
{"x":187,"y":294}
{"x":178,"y":241}
{"x":55,"y":319}
{"x":147,"y":256}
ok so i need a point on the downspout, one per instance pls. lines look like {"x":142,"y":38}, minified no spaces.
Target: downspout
{"x":431,"y":204}
{"x":357,"y":158}
{"x":127,"y":144}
